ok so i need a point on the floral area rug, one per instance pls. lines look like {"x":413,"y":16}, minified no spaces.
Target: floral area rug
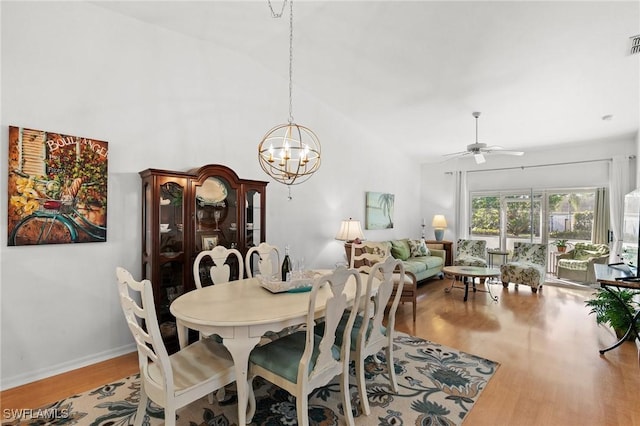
{"x":437,"y":385}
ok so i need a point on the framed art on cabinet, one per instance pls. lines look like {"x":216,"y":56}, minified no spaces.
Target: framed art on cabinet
{"x":209,"y":242}
{"x":379,"y":210}
{"x":57,"y":188}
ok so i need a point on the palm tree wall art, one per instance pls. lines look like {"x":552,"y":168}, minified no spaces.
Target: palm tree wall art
{"x":379,"y":210}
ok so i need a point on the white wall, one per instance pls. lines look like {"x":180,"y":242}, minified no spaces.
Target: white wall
{"x":438,"y":183}
{"x":637,"y":154}
{"x":164,"y":101}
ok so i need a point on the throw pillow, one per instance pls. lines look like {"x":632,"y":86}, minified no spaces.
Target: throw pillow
{"x":418,"y":248}
{"x":400,"y":249}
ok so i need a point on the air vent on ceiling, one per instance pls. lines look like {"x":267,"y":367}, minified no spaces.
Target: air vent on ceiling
{"x":635,"y":44}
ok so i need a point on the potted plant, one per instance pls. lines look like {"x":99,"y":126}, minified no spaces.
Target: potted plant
{"x":608,"y":309}
{"x":561,"y":245}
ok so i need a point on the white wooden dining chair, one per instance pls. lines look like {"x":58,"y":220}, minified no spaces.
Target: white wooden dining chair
{"x":368,"y":335}
{"x":220,"y":271}
{"x":301,"y":362}
{"x":364,"y":255}
{"x":268,"y":260}
{"x":172,"y":381}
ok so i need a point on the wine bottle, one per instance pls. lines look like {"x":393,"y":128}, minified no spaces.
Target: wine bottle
{"x":286,"y":265}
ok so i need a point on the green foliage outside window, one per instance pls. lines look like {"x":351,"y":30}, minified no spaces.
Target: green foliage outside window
{"x":485,"y":218}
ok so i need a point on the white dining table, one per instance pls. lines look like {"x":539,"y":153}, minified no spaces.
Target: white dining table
{"x":241,"y":312}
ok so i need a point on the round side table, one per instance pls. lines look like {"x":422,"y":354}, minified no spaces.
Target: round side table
{"x":497,"y":252}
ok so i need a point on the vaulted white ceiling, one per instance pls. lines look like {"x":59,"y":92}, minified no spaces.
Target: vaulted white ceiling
{"x":541,"y":73}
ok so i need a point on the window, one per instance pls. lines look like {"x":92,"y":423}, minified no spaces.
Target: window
{"x":570,"y":215}
{"x":501,"y":218}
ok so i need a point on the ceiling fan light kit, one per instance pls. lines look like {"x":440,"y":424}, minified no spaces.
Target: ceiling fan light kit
{"x":479,"y":150}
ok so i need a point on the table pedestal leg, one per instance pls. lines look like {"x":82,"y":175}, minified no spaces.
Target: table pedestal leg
{"x":183,"y":334}
{"x":465,"y":280}
{"x":240,"y":348}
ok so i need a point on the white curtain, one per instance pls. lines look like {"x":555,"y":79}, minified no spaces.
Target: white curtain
{"x":620,"y":185}
{"x":601,"y":221}
{"x":462,"y":206}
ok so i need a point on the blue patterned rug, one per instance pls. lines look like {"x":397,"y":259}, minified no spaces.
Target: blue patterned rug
{"x":437,"y":386}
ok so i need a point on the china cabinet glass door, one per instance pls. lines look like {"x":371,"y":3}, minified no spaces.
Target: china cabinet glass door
{"x":253,"y":213}
{"x":216,"y":207}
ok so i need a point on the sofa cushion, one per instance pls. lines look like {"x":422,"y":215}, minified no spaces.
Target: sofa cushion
{"x":400,"y":249}
{"x":573,"y":264}
{"x":585,"y":251}
{"x":418,"y":248}
{"x":417,"y":265}
{"x":414,"y":266}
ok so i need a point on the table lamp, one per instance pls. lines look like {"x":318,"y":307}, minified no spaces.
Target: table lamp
{"x":439,"y":224}
{"x":350,"y":232}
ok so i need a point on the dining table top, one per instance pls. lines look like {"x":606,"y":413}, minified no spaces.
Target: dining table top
{"x":245,"y":302}
{"x":243,"y":311}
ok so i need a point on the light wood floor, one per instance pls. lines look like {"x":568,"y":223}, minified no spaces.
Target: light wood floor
{"x":550,"y":373}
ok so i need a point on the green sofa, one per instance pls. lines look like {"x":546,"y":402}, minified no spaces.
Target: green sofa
{"x":422,"y":262}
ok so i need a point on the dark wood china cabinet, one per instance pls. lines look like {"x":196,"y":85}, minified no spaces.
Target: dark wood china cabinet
{"x":186,"y":212}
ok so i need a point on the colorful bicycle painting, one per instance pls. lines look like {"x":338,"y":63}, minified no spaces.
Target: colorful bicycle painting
{"x":57,"y":188}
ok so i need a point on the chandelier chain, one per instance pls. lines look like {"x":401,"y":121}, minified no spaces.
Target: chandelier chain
{"x":279,"y":15}
{"x":290,"y":61}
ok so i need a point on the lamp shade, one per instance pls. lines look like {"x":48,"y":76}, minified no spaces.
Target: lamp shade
{"x":439,"y":222}
{"x":350,"y":230}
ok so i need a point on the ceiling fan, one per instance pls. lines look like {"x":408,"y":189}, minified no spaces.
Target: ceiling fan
{"x":479,"y":150}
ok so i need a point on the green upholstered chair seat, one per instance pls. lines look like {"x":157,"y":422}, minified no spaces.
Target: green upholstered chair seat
{"x":282,"y":356}
{"x":357,"y":325}
{"x":573,"y":264}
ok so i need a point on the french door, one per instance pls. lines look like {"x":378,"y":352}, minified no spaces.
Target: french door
{"x":504,"y":218}
{"x":537,"y":216}
{"x":522,"y":219}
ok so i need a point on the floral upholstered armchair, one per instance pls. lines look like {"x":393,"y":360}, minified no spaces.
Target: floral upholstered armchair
{"x":577,"y":264}
{"x":471,"y":253}
{"x":528,"y":266}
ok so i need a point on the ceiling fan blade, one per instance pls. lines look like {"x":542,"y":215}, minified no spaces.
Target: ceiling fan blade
{"x":500,"y":150}
{"x":505,"y":152}
{"x":479,"y":158}
{"x":457,"y":154}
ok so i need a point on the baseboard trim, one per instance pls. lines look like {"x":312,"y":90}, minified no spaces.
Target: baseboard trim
{"x":65,"y":367}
